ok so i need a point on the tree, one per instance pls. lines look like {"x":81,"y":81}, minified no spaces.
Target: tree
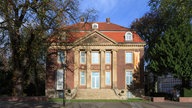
{"x":173,"y":54}
{"x":28,"y":24}
{"x":149,"y":27}
{"x":167,"y":32}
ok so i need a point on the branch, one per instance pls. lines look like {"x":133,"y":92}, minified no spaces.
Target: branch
{"x":24,"y":10}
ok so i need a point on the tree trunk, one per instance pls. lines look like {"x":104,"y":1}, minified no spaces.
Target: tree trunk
{"x":17,"y":82}
{"x":17,"y":76}
{"x":17,"y":68}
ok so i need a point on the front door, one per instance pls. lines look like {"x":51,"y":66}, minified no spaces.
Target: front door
{"x":95,"y":80}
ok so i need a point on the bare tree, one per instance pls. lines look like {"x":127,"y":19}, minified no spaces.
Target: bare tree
{"x":25,"y":22}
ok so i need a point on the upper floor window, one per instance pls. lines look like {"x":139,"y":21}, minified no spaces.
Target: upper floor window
{"x":95,"y":26}
{"x":108,"y":57}
{"x":95,"y":57}
{"x":61,"y":57}
{"x":128,"y":57}
{"x":82,"y":57}
{"x":128,"y":36}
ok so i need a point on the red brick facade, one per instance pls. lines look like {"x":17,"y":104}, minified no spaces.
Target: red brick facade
{"x":108,"y":37}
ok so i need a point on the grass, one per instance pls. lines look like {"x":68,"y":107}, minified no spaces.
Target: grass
{"x":97,"y":100}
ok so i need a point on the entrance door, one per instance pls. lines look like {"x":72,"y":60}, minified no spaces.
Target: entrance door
{"x":95,"y":80}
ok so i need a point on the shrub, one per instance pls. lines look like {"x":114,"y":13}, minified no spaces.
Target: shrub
{"x":187,"y":92}
{"x":162,"y":94}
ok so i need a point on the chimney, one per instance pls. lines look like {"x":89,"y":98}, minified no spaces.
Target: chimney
{"x":107,"y":20}
{"x":82,"y":19}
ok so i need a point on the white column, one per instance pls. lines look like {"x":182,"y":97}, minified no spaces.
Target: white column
{"x":102,"y":68}
{"x":114,"y":58}
{"x":88,"y":69}
{"x":76,"y":68}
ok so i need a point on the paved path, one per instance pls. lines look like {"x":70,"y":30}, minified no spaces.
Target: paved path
{"x":95,"y":105}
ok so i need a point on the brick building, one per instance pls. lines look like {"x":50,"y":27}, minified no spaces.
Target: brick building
{"x":94,"y":56}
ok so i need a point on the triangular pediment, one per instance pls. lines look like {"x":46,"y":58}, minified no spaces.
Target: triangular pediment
{"x":95,"y":38}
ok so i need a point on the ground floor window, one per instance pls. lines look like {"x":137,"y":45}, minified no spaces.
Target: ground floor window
{"x":129,"y":94}
{"x":129,"y":77}
{"x":108,"y":78}
{"x":82,"y":78}
{"x":59,"y":82}
{"x":95,"y":80}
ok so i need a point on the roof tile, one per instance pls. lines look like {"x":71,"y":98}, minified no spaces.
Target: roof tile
{"x":113,"y":31}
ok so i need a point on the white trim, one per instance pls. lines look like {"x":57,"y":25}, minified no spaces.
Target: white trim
{"x":84,"y":77}
{"x":59,"y":79}
{"x":109,"y":52}
{"x":128,"y":36}
{"x":96,"y":52}
{"x":92,"y":79}
{"x":106,"y":78}
{"x":126,"y":76}
{"x":84,"y":57}
{"x":63,"y":55}
{"x":126,"y":57}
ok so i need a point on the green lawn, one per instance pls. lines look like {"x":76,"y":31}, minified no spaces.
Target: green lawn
{"x":97,"y":100}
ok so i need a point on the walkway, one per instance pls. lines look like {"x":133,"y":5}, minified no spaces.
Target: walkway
{"x":95,"y":105}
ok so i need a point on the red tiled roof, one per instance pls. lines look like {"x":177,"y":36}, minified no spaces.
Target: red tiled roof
{"x":103,"y":26}
{"x":119,"y":36}
{"x":113,"y":31}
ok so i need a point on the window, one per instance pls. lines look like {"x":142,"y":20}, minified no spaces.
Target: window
{"x":128,"y":36}
{"x":95,"y":26}
{"x":129,"y":77}
{"x":95,"y":57}
{"x":128,"y":57}
{"x":108,"y":57}
{"x":82,"y":78}
{"x":82,"y":57}
{"x":59,"y":79}
{"x":61,"y":57}
{"x":108,"y":78}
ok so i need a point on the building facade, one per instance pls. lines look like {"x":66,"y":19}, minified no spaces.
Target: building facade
{"x":94,"y":55}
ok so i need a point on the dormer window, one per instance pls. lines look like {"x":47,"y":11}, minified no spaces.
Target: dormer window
{"x":95,"y":26}
{"x":128,"y":36}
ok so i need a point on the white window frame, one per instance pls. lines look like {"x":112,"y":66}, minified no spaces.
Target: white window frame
{"x":59,"y":77}
{"x":128,"y":73}
{"x":82,"y":77}
{"x":106,"y":78}
{"x":108,"y":57}
{"x":95,"y":59}
{"x":127,"y":59}
{"x":82,"y":57}
{"x":99,"y":77}
{"x":128,"y":36}
{"x":59,"y":57}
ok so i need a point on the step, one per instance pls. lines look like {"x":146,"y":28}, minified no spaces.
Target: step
{"x":96,"y":94}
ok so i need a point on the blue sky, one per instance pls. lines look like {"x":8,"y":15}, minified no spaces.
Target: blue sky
{"x":122,"y":12}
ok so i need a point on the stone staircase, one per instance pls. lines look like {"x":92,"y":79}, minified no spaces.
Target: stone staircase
{"x":96,"y":94}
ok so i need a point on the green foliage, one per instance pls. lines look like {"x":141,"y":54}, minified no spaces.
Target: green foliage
{"x":174,"y":52}
{"x":168,"y":34}
{"x":187,"y":92}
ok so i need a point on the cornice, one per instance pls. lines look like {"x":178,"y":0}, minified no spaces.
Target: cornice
{"x":102,"y":44}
